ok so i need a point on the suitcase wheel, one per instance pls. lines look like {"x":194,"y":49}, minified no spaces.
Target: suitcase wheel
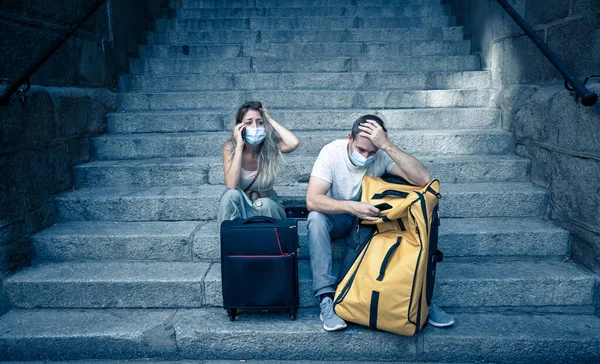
{"x":293,"y":314}
{"x":231,"y":313}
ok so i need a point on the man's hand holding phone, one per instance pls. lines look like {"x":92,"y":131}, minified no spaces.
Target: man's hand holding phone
{"x":383,"y":206}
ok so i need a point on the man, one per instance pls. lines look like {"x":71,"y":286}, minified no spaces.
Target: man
{"x":333,"y":199}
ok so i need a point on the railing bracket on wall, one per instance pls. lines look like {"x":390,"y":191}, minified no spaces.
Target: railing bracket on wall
{"x":48,"y":52}
{"x":21,"y":91}
{"x":572,"y":84}
{"x":572,"y":90}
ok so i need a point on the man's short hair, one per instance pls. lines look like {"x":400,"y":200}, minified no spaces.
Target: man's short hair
{"x":363,"y":119}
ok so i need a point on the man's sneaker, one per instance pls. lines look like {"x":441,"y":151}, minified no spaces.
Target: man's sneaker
{"x":439,"y":318}
{"x":331,"y":321}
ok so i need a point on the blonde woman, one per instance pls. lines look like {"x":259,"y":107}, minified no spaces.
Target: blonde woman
{"x":251,"y":161}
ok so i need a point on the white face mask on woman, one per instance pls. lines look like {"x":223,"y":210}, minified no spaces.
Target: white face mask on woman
{"x":255,"y":136}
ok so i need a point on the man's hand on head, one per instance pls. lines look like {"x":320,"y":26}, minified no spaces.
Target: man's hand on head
{"x":365,"y":211}
{"x":374,"y":132}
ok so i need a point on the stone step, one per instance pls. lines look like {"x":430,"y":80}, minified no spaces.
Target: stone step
{"x":198,"y":284}
{"x":174,"y":121}
{"x":308,"y":36}
{"x":317,"y":23}
{"x":305,"y":99}
{"x":207,"y":334}
{"x":166,"y":66}
{"x":408,"y":65}
{"x":210,"y":144}
{"x":308,"y":50}
{"x":186,"y":203}
{"x":199,"y":241}
{"x":293,"y":12}
{"x":307,"y":81}
{"x":218,"y":4}
{"x":209,"y":170}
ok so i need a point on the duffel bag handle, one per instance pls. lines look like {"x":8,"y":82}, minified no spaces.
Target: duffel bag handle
{"x":255,"y":219}
{"x":385,"y":193}
{"x":387,"y":258}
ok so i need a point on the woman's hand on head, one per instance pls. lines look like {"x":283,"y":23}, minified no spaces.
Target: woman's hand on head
{"x":266,"y":113}
{"x":237,"y":134}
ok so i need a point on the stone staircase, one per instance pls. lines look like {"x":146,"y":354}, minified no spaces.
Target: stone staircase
{"x":132,"y":270}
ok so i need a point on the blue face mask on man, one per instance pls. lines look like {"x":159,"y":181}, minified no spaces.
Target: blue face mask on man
{"x":255,"y":136}
{"x":359,"y":161}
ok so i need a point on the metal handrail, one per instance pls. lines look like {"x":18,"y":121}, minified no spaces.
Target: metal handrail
{"x":588,"y":98}
{"x":50,"y":50}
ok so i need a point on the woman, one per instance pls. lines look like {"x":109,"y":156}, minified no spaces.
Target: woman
{"x":251,"y":162}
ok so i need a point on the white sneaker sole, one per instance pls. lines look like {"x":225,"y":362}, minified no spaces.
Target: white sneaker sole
{"x":437,"y":324}
{"x":334,"y":328}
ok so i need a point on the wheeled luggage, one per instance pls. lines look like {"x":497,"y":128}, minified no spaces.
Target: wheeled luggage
{"x":390,"y":284}
{"x":259,"y":264}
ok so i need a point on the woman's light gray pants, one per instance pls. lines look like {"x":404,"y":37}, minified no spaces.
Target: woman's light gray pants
{"x":236,"y":205}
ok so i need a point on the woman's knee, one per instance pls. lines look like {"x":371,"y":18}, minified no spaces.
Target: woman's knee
{"x":232,"y":196}
{"x":270,"y":207}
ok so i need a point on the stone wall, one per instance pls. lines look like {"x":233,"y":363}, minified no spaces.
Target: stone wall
{"x":42,"y":139}
{"x":92,"y":57}
{"x":561,"y":137}
{"x":39,"y":143}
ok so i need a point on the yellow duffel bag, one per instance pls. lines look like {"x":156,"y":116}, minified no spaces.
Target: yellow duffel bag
{"x":390,"y":284}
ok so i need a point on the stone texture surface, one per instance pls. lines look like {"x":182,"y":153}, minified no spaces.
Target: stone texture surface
{"x":418,"y":142}
{"x":367,"y":11}
{"x":465,"y":237}
{"x":306,"y":99}
{"x":39,"y":143}
{"x":206,"y":334}
{"x":174,"y":121}
{"x":501,"y":254}
{"x":186,"y":203}
{"x":109,"y":284}
{"x":562,"y":137}
{"x":94,"y":241}
{"x":202,"y":170}
{"x":87,"y":334}
{"x":92,"y":57}
{"x":307,"y":36}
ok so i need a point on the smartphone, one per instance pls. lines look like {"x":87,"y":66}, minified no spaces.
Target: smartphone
{"x":383,"y":206}
{"x":244,"y":133}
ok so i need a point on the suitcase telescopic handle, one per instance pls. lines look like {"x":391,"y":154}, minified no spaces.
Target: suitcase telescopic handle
{"x":255,"y":219}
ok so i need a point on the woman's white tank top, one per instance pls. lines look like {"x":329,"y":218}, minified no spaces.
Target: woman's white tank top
{"x":246,"y":178}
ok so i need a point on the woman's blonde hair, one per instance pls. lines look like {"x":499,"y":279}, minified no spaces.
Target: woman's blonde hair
{"x":269,"y":156}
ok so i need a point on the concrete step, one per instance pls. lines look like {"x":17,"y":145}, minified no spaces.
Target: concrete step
{"x":187,"y":203}
{"x":202,"y":4}
{"x":198,"y":284}
{"x":293,"y":12}
{"x":305,"y":99}
{"x":199,"y":241}
{"x":210,"y":144}
{"x":207,"y":334}
{"x":408,"y":65}
{"x":308,"y":36}
{"x":317,"y":23}
{"x":173,"y":121}
{"x":307,"y":81}
{"x":218,"y":4}
{"x":209,"y":170}
{"x":308,"y":50}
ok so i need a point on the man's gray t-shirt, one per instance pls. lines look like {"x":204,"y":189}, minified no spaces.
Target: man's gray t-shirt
{"x":333,"y":165}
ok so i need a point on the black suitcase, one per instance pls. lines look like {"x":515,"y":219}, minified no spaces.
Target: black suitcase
{"x":259,"y":264}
